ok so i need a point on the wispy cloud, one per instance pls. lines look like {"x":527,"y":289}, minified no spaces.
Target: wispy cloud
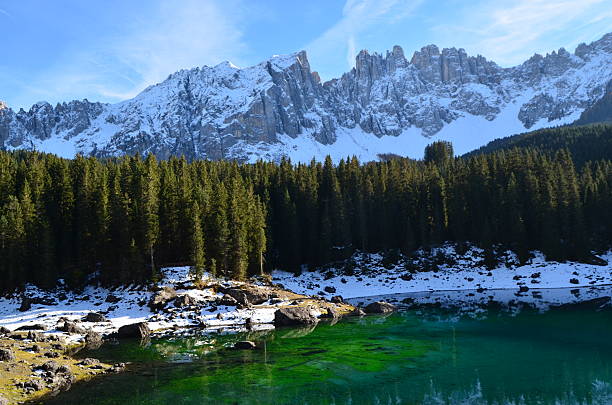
{"x":357,"y":17}
{"x":510,"y":31}
{"x":173,"y":36}
{"x":6,"y":13}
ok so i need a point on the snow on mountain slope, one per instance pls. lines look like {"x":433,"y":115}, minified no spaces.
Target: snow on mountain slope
{"x":386,"y":104}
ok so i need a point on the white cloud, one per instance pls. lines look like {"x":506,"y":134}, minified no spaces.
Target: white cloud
{"x":168,"y":37}
{"x":4,"y":12}
{"x":511,"y":31}
{"x":357,"y":17}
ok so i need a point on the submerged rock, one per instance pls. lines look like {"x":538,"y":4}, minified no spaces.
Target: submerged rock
{"x":138,"y":330}
{"x":245,"y":345}
{"x":294,"y":316}
{"x":379,"y":307}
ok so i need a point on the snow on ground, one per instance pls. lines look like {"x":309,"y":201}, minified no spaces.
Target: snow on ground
{"x":130,"y":307}
{"x":459,"y":278}
{"x":371,"y":278}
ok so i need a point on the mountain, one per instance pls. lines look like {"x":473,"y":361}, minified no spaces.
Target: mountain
{"x":601,"y":111}
{"x":385,"y":104}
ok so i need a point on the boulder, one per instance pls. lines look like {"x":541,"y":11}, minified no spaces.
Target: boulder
{"x":138,"y":330}
{"x":249,"y":295}
{"x":89,"y":362}
{"x":93,"y":338}
{"x":337,"y":299}
{"x":245,"y":345}
{"x":110,"y":298}
{"x":159,"y":300}
{"x":6,"y":355}
{"x":294,"y":316}
{"x":228,"y":300}
{"x":95,"y":317}
{"x":379,"y":307}
{"x":184,"y":301}
{"x":26,"y":304}
{"x":50,"y":366}
{"x":357,"y":312}
{"x":331,"y":313}
{"x":37,"y":326}
{"x":330,"y":289}
{"x":71,"y":327}
{"x":36,"y":336}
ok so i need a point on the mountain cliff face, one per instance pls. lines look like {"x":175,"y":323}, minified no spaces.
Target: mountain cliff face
{"x":280,"y":107}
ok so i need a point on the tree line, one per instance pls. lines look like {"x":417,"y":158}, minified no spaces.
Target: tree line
{"x":120,"y":220}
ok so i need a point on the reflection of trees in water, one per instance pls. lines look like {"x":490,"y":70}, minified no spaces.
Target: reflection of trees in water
{"x":600,"y":394}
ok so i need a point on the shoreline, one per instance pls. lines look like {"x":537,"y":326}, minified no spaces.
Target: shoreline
{"x":178,"y":306}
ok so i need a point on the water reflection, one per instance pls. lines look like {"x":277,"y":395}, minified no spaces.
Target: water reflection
{"x":441,"y":349}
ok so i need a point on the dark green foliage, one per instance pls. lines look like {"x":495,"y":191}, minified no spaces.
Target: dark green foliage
{"x":585,"y":143}
{"x":601,"y":111}
{"x":123,"y":219}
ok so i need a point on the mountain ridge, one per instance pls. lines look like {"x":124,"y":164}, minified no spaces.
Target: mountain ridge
{"x":280,"y":107}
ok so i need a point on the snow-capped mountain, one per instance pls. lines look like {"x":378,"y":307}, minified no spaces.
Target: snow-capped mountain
{"x":386,"y":104}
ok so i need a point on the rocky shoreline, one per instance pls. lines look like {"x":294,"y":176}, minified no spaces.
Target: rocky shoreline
{"x":42,"y":334}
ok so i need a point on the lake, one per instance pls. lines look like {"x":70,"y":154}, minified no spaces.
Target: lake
{"x":496,"y":353}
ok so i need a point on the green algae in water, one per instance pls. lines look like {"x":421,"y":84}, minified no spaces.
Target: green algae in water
{"x":425,"y":357}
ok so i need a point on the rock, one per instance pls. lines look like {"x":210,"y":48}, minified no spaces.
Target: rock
{"x":228,"y":300}
{"x":89,"y":362}
{"x":117,"y":368}
{"x":72,"y":327}
{"x":248,"y":295}
{"x":184,"y":301}
{"x":379,"y":307}
{"x":159,"y":300}
{"x":3,"y":401}
{"x":31,"y":385}
{"x":37,"y":326}
{"x":26,"y":304}
{"x":110,"y":298}
{"x":52,"y":355}
{"x":36,"y":336}
{"x":523,"y":288}
{"x":330,"y":289}
{"x":245,"y":345}
{"x":95,"y":317}
{"x":93,"y":338}
{"x":574,"y":281}
{"x":138,"y":330}
{"x":6,"y":355}
{"x":50,"y":366}
{"x":331,"y":313}
{"x":337,"y":299}
{"x":294,"y":316}
{"x":357,"y":312}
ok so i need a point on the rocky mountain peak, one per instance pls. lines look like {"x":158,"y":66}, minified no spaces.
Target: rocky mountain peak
{"x":279,"y":107}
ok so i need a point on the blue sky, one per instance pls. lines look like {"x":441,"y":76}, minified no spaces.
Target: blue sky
{"x":112,"y":49}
